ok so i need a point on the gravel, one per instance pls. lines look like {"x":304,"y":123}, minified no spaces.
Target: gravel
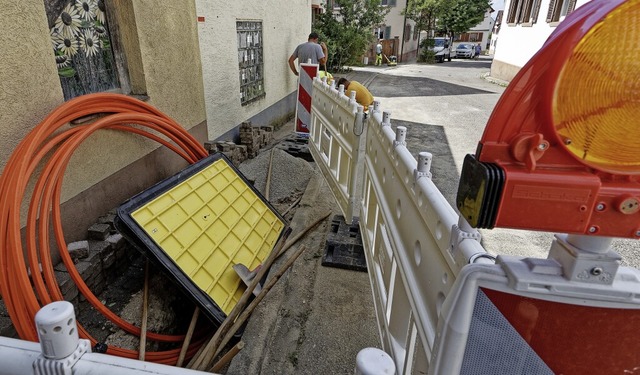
{"x":288,"y":173}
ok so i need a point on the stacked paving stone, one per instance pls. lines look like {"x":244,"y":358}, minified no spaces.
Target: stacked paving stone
{"x":255,"y":137}
{"x":99,"y":260}
{"x":252,"y":139}
{"x":236,"y":153}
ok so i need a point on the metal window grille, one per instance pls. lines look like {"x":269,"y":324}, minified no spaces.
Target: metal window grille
{"x":250,"y":60}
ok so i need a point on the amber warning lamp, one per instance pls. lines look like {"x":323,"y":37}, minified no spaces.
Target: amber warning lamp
{"x":561,"y":150}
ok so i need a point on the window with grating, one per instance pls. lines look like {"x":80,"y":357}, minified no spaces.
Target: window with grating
{"x":250,"y":60}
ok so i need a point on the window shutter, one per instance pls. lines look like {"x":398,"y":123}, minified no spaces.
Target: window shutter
{"x":552,"y":6}
{"x":536,"y":10}
{"x":512,"y":11}
{"x":525,"y":12}
{"x":571,"y":7}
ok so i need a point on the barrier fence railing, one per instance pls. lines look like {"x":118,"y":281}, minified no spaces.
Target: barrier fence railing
{"x":336,"y":126}
{"x":414,"y":241}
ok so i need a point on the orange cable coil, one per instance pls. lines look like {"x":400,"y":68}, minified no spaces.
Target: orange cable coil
{"x":25,"y":292}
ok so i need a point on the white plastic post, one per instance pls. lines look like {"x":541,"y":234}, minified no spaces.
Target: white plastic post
{"x":57,"y":330}
{"x":341,"y":89}
{"x":373,"y":361}
{"x":464,"y":225}
{"x":401,"y":136}
{"x":592,"y":244}
{"x":352,"y":96}
{"x":423,"y":169}
{"x":386,"y":118}
{"x":376,"y":106}
{"x":424,"y":162}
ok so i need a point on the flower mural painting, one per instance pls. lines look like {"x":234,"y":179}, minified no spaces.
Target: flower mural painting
{"x":89,"y":43}
{"x":87,"y":9}
{"x":82,"y":46}
{"x":68,"y":46}
{"x":68,"y":24}
{"x":100,"y":16}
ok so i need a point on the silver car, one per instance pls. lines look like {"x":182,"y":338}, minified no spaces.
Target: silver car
{"x":465,"y":50}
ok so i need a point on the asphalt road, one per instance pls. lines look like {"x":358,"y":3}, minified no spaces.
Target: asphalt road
{"x":445,"y":108}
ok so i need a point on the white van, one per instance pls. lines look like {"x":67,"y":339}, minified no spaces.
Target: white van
{"x":442,"y":48}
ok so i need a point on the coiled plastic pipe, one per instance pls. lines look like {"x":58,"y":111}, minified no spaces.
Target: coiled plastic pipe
{"x":53,"y":142}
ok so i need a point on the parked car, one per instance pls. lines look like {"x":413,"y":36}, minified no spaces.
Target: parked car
{"x":442,"y":48}
{"x":465,"y":50}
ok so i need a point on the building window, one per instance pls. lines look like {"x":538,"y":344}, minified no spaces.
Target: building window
{"x":416,"y":32}
{"x":523,"y":12}
{"x":332,"y":4}
{"x":82,"y":47}
{"x":387,"y":32}
{"x":250,"y":60}
{"x":468,"y":37}
{"x":379,"y":32}
{"x":390,"y":3}
{"x":559,"y":9}
{"x":407,"y":33}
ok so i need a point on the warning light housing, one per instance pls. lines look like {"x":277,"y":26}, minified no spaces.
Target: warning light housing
{"x":561,"y":151}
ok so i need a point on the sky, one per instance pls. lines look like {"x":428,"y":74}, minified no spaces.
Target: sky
{"x":497,"y":5}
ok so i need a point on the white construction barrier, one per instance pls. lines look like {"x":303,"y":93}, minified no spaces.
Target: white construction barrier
{"x":413,"y":244}
{"x":60,"y":352}
{"x":337,"y":123}
{"x":443,"y":305}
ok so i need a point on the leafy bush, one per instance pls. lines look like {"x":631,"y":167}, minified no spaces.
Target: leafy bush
{"x":347,"y":32}
{"x":426,"y":53}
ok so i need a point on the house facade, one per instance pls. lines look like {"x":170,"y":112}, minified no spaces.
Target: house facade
{"x":481,"y":33}
{"x":158,"y":51}
{"x":526,"y":25}
{"x":244,"y":47}
{"x":59,"y":49}
{"x":495,"y":34}
{"x":399,"y":28}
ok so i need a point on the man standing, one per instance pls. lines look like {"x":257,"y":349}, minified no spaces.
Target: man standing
{"x":379,"y":53}
{"x":309,"y":50}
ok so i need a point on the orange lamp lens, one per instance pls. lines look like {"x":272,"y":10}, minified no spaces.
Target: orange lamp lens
{"x":596,"y":111}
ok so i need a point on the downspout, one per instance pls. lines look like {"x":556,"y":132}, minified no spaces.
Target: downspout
{"x":404,"y":29}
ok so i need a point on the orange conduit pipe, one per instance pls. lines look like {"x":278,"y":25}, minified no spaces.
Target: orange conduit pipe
{"x":25,"y":291}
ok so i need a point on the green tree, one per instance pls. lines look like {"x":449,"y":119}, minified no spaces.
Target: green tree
{"x":349,"y":32}
{"x":444,"y":17}
{"x":423,"y":13}
{"x":458,"y":16}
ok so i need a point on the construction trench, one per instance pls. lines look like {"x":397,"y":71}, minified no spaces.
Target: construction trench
{"x":287,"y":329}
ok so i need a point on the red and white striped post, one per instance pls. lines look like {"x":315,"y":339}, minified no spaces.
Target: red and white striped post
{"x":308,"y":72}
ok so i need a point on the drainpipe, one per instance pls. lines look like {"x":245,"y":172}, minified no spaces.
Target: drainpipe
{"x":404,"y":29}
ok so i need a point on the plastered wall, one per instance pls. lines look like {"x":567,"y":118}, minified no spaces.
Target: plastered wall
{"x":286,"y":23}
{"x":518,"y":43}
{"x":161,"y":38}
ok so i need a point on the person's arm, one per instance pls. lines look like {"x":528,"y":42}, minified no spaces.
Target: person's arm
{"x":325,"y":53}
{"x":292,"y":64}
